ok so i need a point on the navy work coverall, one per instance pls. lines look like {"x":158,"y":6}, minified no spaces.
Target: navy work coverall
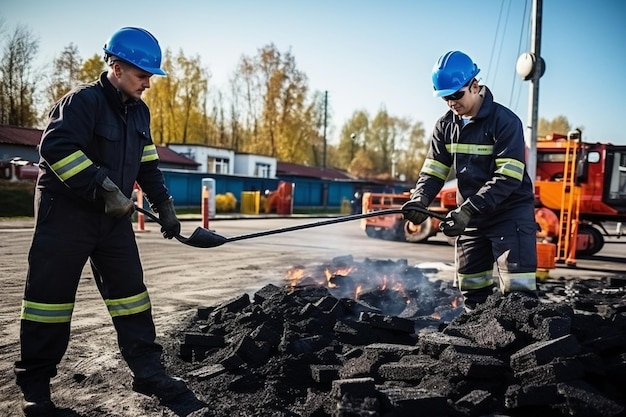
{"x":488,"y":155}
{"x":91,"y":134}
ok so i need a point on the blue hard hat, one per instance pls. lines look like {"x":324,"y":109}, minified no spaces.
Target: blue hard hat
{"x":451,"y":72}
{"x":137,"y":47}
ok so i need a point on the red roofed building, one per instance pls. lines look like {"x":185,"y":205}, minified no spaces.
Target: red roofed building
{"x":288,"y":169}
{"x":19,"y":142}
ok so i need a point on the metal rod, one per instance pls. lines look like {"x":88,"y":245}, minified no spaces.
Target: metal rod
{"x":203,"y":238}
{"x":315,"y":224}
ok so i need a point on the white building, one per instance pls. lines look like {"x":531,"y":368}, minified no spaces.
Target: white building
{"x":214,"y":160}
{"x":255,"y":165}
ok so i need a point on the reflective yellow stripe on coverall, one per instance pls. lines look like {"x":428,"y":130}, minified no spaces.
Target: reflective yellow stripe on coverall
{"x":129,"y":305}
{"x":71,"y":165}
{"x":149,"y":153}
{"x":522,"y":281}
{"x":475,"y":281}
{"x":47,"y":313}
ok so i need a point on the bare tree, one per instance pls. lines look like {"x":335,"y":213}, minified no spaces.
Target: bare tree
{"x":65,"y":74}
{"x":17,"y":88}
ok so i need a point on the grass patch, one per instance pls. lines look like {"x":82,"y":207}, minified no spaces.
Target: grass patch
{"x":17,"y":198}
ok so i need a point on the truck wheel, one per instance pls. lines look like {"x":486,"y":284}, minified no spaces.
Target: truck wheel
{"x":392,"y":234}
{"x":371,"y":231}
{"x":597,"y":241}
{"x":419,"y":233}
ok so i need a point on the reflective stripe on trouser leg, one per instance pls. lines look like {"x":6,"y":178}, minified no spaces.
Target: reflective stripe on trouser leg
{"x":475,"y":281}
{"x":47,"y":312}
{"x":525,"y":281}
{"x":128,"y":305}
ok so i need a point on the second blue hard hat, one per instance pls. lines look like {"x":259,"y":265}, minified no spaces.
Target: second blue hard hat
{"x":451,"y":72}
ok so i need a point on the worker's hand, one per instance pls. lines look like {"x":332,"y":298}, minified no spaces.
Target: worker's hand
{"x":170,"y":225}
{"x":415,"y":211}
{"x":116,"y":204}
{"x":457,"y":220}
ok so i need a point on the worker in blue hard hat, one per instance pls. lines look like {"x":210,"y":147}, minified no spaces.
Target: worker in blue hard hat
{"x":95,"y":146}
{"x":494,"y":224}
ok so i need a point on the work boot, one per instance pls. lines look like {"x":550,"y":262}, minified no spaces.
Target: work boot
{"x":39,"y":408}
{"x":473,"y":298}
{"x":37,"y":400}
{"x":161,"y":385}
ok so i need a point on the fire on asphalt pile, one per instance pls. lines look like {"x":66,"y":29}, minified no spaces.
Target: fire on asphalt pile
{"x":380,"y":338}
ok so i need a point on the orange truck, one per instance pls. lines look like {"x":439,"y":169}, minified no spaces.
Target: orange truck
{"x":579,"y":188}
{"x":394,"y":227}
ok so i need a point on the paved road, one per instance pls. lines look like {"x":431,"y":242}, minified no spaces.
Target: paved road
{"x":325,"y":242}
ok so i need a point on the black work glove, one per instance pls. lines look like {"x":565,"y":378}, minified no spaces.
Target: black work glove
{"x":457,"y":220}
{"x":116,"y":204}
{"x":411,"y":211}
{"x":170,"y":225}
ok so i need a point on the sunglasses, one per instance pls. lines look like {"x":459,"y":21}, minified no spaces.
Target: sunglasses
{"x":456,"y":96}
{"x":459,"y":94}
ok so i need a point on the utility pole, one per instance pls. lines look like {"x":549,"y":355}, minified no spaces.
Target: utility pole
{"x":325,"y":121}
{"x":325,"y":185}
{"x":531,"y":66}
{"x":533,"y":95}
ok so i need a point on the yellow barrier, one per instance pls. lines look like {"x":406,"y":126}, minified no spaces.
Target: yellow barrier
{"x":250,"y":202}
{"x":345,"y":206}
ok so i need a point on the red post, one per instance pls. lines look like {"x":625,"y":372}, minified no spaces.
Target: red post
{"x":205,"y":207}
{"x":141,"y":221}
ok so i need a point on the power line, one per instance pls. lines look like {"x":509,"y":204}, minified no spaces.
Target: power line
{"x":493,"y":47}
{"x":508,"y":11}
{"x":519,"y":51}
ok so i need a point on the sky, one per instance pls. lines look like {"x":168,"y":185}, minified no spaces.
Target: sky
{"x":374,"y":55}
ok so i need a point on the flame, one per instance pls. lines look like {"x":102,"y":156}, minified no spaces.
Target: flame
{"x":456,"y":301}
{"x":383,"y":283}
{"x":295,"y":275}
{"x":357,"y":291}
{"x":400,"y":288}
{"x":329,"y":275}
{"x":343,"y":271}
